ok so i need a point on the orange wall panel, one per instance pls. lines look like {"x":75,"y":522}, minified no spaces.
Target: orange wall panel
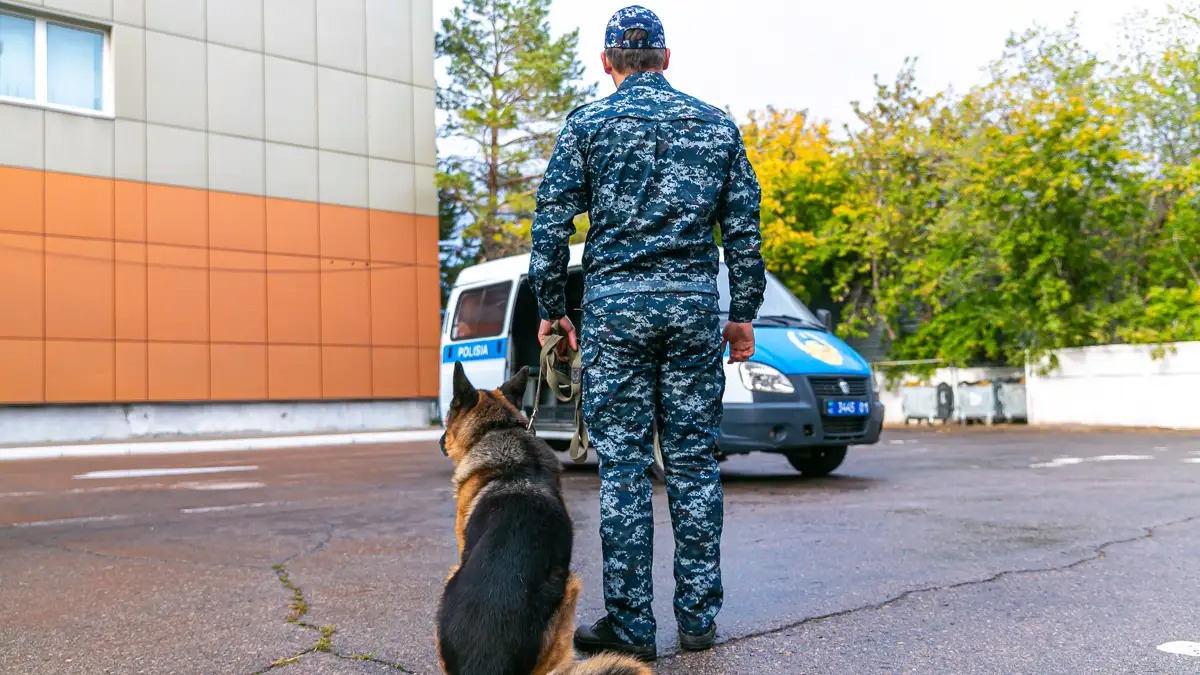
{"x":23,"y":200}
{"x":429,"y":371}
{"x":131,"y":211}
{"x":345,"y":303}
{"x":178,"y":371}
{"x":131,"y":291}
{"x":22,"y":289}
{"x":345,"y":372}
{"x":294,"y":372}
{"x":293,"y":227}
{"x":23,"y":368}
{"x":393,"y":306}
{"x":238,"y":297}
{"x":79,"y":206}
{"x":293,"y":300}
{"x":131,"y":372}
{"x":239,"y":372}
{"x":176,"y":215}
{"x":429,"y":303}
{"x":427,"y":240}
{"x":79,"y":371}
{"x":237,"y":222}
{"x":393,"y":237}
{"x":177,"y":294}
{"x":345,"y":233}
{"x":80,"y":280}
{"x":394,"y":372}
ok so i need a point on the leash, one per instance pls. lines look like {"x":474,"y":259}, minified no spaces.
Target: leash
{"x":570,"y":390}
{"x":567,"y":389}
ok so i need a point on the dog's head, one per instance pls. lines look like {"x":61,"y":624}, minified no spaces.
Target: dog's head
{"x":473,"y":412}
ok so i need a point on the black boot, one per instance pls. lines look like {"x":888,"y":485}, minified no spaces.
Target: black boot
{"x":698,"y":643}
{"x":600,"y":637}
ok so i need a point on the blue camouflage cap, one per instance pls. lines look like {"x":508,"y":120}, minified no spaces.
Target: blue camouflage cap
{"x":634,"y":16}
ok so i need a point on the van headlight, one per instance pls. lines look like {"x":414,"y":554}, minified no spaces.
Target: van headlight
{"x":761,"y":377}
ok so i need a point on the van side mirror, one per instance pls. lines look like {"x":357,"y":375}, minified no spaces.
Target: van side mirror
{"x":826,"y":318}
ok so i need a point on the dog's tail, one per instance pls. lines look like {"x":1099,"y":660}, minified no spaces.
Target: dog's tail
{"x":606,"y":664}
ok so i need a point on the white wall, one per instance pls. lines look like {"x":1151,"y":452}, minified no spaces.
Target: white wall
{"x":1119,"y":385}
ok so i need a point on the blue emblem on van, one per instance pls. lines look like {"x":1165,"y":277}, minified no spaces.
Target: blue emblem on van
{"x":475,"y":351}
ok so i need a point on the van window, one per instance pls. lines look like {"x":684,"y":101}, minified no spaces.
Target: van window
{"x":480,"y":312}
{"x":777,"y":299}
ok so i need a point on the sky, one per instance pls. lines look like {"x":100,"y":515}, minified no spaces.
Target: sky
{"x":820,"y":56}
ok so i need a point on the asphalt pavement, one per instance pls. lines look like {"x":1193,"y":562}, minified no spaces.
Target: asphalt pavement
{"x":1006,"y":550}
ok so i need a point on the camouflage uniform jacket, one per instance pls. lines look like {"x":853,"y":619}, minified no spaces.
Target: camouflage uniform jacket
{"x":656,"y":170}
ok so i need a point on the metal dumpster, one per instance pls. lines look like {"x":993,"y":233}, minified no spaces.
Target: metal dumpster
{"x":977,"y":402}
{"x":919,"y":403}
{"x":1013,"y":405}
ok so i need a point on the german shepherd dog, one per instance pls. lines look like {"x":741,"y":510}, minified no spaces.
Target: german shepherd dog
{"x":508,"y":607}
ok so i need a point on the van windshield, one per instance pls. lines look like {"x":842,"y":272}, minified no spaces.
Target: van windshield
{"x":778,"y":301}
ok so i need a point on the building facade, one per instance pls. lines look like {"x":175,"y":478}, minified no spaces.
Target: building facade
{"x":205,"y":202}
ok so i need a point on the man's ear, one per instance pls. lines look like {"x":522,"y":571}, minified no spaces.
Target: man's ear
{"x":604,"y":62}
{"x":514,"y":389}
{"x":465,"y":394}
{"x":667,"y":59}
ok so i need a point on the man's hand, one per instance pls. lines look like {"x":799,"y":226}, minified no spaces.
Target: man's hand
{"x":565,"y":326}
{"x":740,"y":338}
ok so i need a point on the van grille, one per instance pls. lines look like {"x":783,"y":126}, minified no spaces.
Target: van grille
{"x":848,"y":427}
{"x":831,"y":386}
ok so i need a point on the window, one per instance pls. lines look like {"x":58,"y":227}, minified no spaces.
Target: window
{"x":53,"y":64}
{"x":481,"y":312}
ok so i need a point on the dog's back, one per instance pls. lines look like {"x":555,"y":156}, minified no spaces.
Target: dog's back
{"x":515,"y":564}
{"x":509,"y":606}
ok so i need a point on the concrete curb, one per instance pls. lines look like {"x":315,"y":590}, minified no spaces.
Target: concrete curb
{"x":216,"y":445}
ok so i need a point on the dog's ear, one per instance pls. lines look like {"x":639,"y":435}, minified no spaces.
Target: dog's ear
{"x":514,"y":389}
{"x":465,"y":394}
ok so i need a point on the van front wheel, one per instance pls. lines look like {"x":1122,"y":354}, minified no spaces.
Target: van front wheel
{"x":818,"y":461}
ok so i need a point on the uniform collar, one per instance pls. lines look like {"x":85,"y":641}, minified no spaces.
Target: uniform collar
{"x":650,"y":79}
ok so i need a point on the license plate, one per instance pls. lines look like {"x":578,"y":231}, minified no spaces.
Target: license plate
{"x":847,"y":408}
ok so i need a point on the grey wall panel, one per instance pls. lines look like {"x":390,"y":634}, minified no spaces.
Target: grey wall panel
{"x":424,"y":126}
{"x":92,"y":9}
{"x":180,"y":17}
{"x":292,"y":172}
{"x":343,"y":179}
{"x":130,"y":149}
{"x":176,"y":156}
{"x":176,"y":84}
{"x":235,"y":91}
{"x":236,"y":22}
{"x":392,"y":186}
{"x":129,"y":71}
{"x":132,"y":12}
{"x":236,"y":164}
{"x":291,"y":101}
{"x":342,"y":111}
{"x":427,"y":201}
{"x":341,"y":34}
{"x":389,"y":39}
{"x":79,"y":144}
{"x":22,"y":136}
{"x":290,"y":28}
{"x":390,"y":120}
{"x":422,"y":43}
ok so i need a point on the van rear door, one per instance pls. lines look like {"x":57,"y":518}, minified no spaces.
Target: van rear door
{"x":476,"y":334}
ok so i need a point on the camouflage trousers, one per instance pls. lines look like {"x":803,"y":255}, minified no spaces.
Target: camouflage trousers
{"x":656,"y":357}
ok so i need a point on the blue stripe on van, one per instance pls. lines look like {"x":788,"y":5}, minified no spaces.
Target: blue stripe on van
{"x":479,"y":350}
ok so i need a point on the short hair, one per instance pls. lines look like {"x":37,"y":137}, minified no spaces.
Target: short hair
{"x":629,"y":61}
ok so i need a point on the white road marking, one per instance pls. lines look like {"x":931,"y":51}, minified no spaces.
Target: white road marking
{"x":218,"y":445}
{"x":235,"y":507}
{"x":20,"y":494}
{"x":1071,"y":461}
{"x":115,"y":488}
{"x":1181,"y":648}
{"x":1161,"y":448}
{"x":1192,"y":460}
{"x":144,"y":473}
{"x":250,"y":485}
{"x":69,"y":521}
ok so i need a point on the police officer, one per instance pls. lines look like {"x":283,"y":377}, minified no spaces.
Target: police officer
{"x":657,"y":170}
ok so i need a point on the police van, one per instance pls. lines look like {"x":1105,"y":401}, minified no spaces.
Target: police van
{"x":806,"y":394}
